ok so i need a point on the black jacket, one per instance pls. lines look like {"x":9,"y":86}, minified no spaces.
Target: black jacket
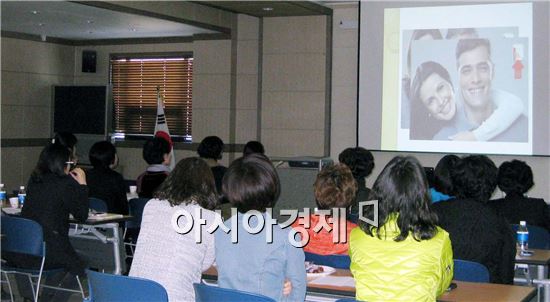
{"x":479,"y":234}
{"x":516,"y":208}
{"x":49,"y":202}
{"x":109,"y":186}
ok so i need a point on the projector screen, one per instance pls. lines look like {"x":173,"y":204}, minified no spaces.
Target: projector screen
{"x":454,"y":77}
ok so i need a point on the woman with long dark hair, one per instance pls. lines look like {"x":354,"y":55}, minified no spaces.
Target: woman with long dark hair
{"x":54,"y":191}
{"x":175,"y":259}
{"x":406,"y":256}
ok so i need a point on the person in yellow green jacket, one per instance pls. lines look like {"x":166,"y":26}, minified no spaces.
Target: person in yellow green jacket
{"x":408,"y":257}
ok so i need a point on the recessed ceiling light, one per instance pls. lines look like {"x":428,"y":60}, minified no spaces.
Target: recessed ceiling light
{"x":90,"y":21}
{"x":35,"y":12}
{"x":133,"y":29}
{"x":267,"y":9}
{"x":41,"y":24}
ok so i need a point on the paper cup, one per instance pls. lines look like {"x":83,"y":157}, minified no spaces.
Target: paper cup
{"x":133,"y":189}
{"x":14,"y":202}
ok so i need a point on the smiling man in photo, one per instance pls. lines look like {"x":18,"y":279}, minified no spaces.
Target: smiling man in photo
{"x":478,"y":100}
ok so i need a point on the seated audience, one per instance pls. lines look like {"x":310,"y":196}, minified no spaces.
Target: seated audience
{"x":255,"y":263}
{"x":408,"y":257}
{"x":478,"y":233}
{"x":443,"y":185}
{"x":211,"y":150}
{"x":177,"y":260}
{"x":54,"y":191}
{"x":103,"y":182}
{"x":253,"y":147}
{"x":361,"y":162}
{"x":156,"y":153}
{"x":334,"y":188}
{"x":515,"y":178}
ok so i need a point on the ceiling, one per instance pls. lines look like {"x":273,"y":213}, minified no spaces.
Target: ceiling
{"x":74,"y":21}
{"x":86,"y":22}
{"x":271,"y":8}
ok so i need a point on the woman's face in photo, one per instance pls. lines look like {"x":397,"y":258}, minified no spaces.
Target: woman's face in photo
{"x":437,"y":95}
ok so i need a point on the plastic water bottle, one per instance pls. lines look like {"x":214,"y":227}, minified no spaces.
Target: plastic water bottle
{"x":21,"y":196}
{"x":3,"y":195}
{"x":522,"y":236}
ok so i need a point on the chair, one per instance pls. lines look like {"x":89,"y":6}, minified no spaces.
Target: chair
{"x":107,"y":287}
{"x":98,"y":205}
{"x":207,"y":293}
{"x":470,"y":271}
{"x":539,"y":238}
{"x":136,"y":206}
{"x":25,"y":236}
{"x":336,"y":261}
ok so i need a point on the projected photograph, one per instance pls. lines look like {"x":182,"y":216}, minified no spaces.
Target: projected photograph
{"x":464,"y":79}
{"x":468,"y":89}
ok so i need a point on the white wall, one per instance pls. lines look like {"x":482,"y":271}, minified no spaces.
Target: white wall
{"x":344,"y":109}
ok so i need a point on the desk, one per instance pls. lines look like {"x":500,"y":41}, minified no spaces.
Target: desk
{"x":540,"y":259}
{"x":89,"y":230}
{"x":465,"y":291}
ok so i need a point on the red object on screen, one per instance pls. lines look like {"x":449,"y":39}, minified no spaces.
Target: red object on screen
{"x":517,"y":69}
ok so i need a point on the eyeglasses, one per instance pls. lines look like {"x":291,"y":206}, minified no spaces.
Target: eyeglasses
{"x":71,"y":165}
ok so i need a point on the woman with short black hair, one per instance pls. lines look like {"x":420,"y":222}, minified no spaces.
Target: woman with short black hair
{"x":515,"y":179}
{"x":258,"y":262}
{"x":361,"y":163}
{"x":166,"y":254}
{"x":156,"y":152}
{"x":406,"y":256}
{"x":211,"y":149}
{"x":478,"y":233}
{"x":105,"y":183}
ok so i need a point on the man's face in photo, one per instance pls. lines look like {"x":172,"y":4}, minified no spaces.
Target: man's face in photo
{"x":475,"y":76}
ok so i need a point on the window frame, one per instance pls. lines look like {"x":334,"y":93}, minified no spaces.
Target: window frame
{"x":117,"y":136}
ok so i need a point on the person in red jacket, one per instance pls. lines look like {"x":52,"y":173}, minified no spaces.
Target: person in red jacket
{"x":334,"y":189}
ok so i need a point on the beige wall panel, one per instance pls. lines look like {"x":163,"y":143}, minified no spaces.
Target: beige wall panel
{"x":11,"y":175}
{"x":20,"y":55}
{"x":12,"y":121}
{"x":293,"y":110}
{"x":246,"y":125}
{"x":293,"y":142}
{"x":344,"y":37}
{"x":11,"y":86}
{"x":343,"y":118}
{"x":247,"y":91}
{"x":294,"y":34}
{"x":247,"y":57}
{"x":29,"y":159}
{"x":211,"y":91}
{"x":248,"y":27}
{"x":275,"y":76}
{"x":208,"y":122}
{"x":344,"y":65}
{"x":37,"y":122}
{"x":212,"y":57}
{"x":302,"y":72}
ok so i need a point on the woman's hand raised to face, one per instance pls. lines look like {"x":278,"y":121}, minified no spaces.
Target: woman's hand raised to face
{"x":78,"y":175}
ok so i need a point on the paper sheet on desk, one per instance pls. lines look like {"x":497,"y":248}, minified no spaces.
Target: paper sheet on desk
{"x":101,"y":216}
{"x":334,"y":281}
{"x":12,"y":211}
